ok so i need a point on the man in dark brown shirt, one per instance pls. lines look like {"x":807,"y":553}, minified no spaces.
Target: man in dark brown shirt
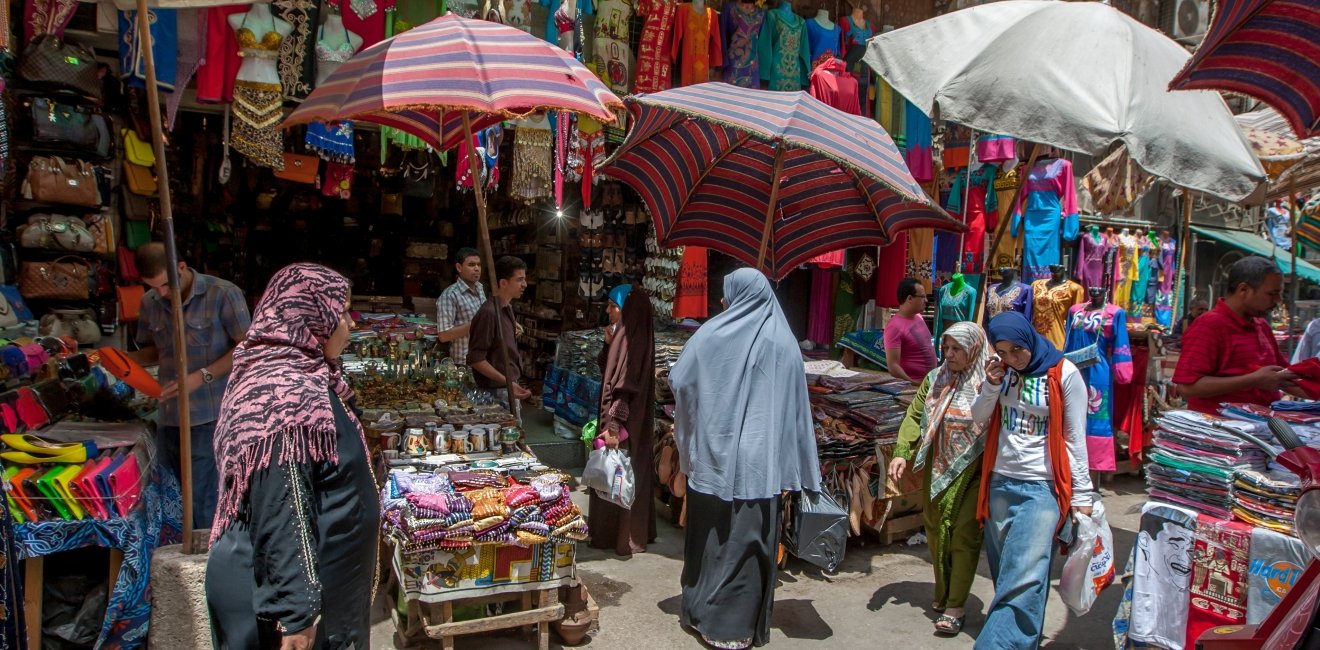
{"x":485,"y":356}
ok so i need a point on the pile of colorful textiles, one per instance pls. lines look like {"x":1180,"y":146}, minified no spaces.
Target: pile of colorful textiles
{"x":1195,"y":460}
{"x":454,"y":511}
{"x":1266,"y":500}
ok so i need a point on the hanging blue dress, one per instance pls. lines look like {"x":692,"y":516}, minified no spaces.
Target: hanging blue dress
{"x":1107,"y":328}
{"x":1048,"y":202}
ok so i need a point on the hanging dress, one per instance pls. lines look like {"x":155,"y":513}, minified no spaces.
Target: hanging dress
{"x":741,"y":30}
{"x":1049,"y":313}
{"x":655,"y":67}
{"x":918,"y":139}
{"x":298,"y":51}
{"x":785,"y":55}
{"x":1048,"y":202}
{"x":1168,"y":273}
{"x":164,"y":27}
{"x":854,"y":48}
{"x":697,"y":44}
{"x":1137,"y":307}
{"x":991,"y":148}
{"x":981,"y":214}
{"x":1016,"y":298}
{"x":366,"y":18}
{"x":1125,"y":269}
{"x":1090,"y":268}
{"x":822,"y":42}
{"x":219,"y":68}
{"x":954,"y":305}
{"x":613,"y":53}
{"x":1106,"y":328}
{"x":258,"y":107}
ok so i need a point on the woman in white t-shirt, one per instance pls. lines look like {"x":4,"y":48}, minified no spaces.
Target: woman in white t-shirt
{"x":1034,"y":474}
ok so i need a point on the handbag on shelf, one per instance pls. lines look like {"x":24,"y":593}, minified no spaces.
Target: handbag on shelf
{"x":136,"y":150}
{"x":64,"y":278}
{"x":58,"y":180}
{"x":15,"y":301}
{"x":299,"y":168}
{"x":77,"y":323}
{"x":338,"y":180}
{"x":56,"y":232}
{"x":105,"y":235}
{"x":136,"y":207}
{"x":128,"y":272}
{"x":419,"y":178}
{"x":130,"y":301}
{"x":140,"y":180}
{"x":62,"y":125}
{"x":8,"y":316}
{"x":56,"y":64}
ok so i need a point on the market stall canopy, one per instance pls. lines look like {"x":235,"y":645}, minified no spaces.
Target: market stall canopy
{"x":1257,"y":245}
{"x":425,"y":80}
{"x":770,"y":178}
{"x":1076,"y":75}
{"x":1267,"y":49}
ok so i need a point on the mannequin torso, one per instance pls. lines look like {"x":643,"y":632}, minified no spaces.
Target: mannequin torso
{"x":823,"y":19}
{"x":334,"y":45}
{"x":260,"y":35}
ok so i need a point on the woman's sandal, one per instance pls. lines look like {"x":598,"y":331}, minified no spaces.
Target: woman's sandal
{"x":948,"y":625}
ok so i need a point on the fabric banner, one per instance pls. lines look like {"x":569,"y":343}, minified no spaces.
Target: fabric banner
{"x":1219,"y":576}
{"x":485,"y":570}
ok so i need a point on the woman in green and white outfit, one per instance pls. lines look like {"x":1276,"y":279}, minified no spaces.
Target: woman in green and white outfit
{"x":943,"y":437}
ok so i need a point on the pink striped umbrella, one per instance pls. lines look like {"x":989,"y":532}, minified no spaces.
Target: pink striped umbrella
{"x":425,"y":80}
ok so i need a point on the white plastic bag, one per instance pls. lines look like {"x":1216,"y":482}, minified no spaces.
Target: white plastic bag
{"x":610,"y":474}
{"x":1090,"y":564}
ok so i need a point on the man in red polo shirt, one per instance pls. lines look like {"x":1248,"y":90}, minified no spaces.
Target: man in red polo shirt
{"x":1229,"y":353}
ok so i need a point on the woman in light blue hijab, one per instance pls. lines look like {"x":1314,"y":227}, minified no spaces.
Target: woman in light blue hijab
{"x":745,"y":435}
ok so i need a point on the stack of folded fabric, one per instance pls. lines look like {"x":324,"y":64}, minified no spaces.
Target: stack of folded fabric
{"x":1195,"y":460}
{"x":426,"y":512}
{"x":1267,"y":500}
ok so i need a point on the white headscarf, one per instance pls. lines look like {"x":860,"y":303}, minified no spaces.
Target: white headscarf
{"x":742,"y":418}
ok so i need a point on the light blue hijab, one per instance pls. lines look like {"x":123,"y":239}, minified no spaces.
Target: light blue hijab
{"x":742,"y":419}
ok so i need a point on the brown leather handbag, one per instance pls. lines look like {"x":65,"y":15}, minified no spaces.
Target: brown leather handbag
{"x":140,"y":180}
{"x":104,"y":233}
{"x":299,"y":168}
{"x":64,"y":278}
{"x":61,"y":180}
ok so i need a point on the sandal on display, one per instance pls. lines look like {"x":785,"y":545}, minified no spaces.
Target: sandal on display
{"x":948,"y":625}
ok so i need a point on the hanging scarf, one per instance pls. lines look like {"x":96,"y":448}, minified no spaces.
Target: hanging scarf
{"x":947,"y":423}
{"x":281,"y":383}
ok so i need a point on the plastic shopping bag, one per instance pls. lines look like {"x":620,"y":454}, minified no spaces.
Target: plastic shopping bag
{"x":1090,"y":564}
{"x":610,"y":474}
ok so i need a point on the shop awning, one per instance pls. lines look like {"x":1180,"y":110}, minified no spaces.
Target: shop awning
{"x":1256,"y":244}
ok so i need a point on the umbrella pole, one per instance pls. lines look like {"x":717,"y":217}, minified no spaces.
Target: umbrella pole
{"x":967,"y":196}
{"x":479,"y":193}
{"x":1294,"y":216}
{"x":172,"y":273}
{"x":770,"y":209}
{"x":1003,"y":228}
{"x":1179,"y":292}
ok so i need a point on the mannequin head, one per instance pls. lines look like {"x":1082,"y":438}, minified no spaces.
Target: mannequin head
{"x":1097,"y":296}
{"x":1058,"y":273}
{"x":1094,"y":230}
{"x":857,"y":8}
{"x":1007,"y":276}
{"x":785,"y":6}
{"x":957,"y":281}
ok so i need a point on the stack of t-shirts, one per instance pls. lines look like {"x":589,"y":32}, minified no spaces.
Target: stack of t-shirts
{"x":1268,"y":500}
{"x":1195,"y":460}
{"x":1304,"y":421}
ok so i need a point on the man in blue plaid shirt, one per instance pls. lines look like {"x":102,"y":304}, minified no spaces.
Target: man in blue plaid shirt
{"x":459,"y":302}
{"x":216,"y":316}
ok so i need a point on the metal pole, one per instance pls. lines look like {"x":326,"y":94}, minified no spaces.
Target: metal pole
{"x":967,"y":196}
{"x":172,"y":272}
{"x":474,"y":162}
{"x":1182,"y":277}
{"x":1003,"y":228}
{"x":1294,"y":215}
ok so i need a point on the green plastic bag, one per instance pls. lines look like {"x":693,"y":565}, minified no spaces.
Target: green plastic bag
{"x":589,"y":433}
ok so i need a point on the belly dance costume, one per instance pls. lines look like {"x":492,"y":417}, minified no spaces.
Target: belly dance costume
{"x":257,"y":106}
{"x":333,"y":142}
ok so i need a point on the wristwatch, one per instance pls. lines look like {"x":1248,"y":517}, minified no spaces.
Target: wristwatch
{"x":207,"y":376}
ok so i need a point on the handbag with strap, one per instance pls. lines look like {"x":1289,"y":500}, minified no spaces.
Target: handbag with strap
{"x":8,"y":315}
{"x":78,"y":323}
{"x":130,"y":301}
{"x":104,"y":233}
{"x":128,"y":272}
{"x":136,"y":150}
{"x":15,"y":300}
{"x":56,"y":64}
{"x":299,"y":168}
{"x":56,"y":232}
{"x":140,"y":180}
{"x":65,"y":278}
{"x":79,"y":128}
{"x":137,"y":207}
{"x":59,"y":180}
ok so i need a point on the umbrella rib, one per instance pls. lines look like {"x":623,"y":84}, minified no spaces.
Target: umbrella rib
{"x":706,"y":172}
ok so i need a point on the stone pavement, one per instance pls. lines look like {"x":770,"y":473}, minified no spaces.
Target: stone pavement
{"x":880,"y":598}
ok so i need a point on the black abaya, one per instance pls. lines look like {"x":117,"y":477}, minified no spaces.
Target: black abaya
{"x":729,"y":567}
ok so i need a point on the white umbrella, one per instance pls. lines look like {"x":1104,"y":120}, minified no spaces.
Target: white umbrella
{"x":1077,"y":75}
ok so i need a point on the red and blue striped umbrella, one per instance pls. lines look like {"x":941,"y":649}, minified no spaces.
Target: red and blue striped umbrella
{"x":770,"y":178}
{"x":1267,"y":49}
{"x":423,"y":81}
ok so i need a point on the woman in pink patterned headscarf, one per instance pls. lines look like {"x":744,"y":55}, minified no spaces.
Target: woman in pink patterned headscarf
{"x":297,"y":514}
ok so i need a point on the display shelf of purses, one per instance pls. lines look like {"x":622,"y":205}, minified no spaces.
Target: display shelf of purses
{"x":74,"y":482}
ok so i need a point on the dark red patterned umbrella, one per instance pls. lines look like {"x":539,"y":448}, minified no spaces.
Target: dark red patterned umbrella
{"x":1267,"y":49}
{"x":770,"y":178}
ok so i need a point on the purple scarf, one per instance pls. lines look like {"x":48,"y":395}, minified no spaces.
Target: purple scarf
{"x":280,"y":386}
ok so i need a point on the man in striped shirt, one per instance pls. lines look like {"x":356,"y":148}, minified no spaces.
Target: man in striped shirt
{"x":459,"y":302}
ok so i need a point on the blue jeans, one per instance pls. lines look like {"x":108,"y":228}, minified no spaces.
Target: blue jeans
{"x":1019,"y":539}
{"x":205,"y":476}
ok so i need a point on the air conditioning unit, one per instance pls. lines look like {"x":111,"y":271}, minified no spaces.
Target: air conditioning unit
{"x":1191,"y":18}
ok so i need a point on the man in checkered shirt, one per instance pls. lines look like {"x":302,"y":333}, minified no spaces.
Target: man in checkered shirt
{"x":459,"y":303}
